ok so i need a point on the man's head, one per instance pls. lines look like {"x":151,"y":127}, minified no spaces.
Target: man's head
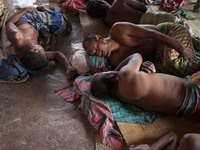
{"x":104,"y":84}
{"x":97,"y":8}
{"x":96,"y":45}
{"x":35,"y":59}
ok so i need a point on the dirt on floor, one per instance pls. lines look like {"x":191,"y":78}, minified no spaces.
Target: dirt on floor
{"x":32,"y":116}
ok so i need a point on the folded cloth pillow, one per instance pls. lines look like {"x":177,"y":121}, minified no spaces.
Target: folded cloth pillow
{"x":79,"y":59}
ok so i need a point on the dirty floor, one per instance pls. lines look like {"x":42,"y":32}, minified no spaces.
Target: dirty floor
{"x":32,"y":116}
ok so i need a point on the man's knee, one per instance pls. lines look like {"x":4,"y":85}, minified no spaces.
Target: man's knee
{"x":190,"y":141}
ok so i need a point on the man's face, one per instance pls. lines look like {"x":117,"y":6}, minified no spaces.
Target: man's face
{"x":38,"y":48}
{"x":98,"y":47}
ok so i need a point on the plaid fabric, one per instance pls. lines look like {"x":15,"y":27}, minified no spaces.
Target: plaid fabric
{"x":102,"y":113}
{"x":168,"y":60}
{"x":48,"y":22}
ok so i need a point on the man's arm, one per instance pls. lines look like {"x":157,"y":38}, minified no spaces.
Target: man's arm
{"x":131,"y":35}
{"x":166,"y":142}
{"x":146,"y":66}
{"x":130,"y":76}
{"x":131,"y":64}
{"x":61,"y":59}
{"x":14,"y":18}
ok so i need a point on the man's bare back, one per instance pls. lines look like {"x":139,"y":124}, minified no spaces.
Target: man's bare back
{"x":159,"y":98}
{"x":119,"y":10}
{"x":150,"y":91}
{"x":125,"y":10}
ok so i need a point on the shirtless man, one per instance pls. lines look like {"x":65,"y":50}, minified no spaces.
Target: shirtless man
{"x":133,"y":11}
{"x":150,"y":91}
{"x":24,"y":38}
{"x":169,"y":142}
{"x":120,"y":10}
{"x":127,"y":38}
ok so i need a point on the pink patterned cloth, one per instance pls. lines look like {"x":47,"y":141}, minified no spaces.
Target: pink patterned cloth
{"x":71,"y":6}
{"x":167,"y":5}
{"x":98,"y":113}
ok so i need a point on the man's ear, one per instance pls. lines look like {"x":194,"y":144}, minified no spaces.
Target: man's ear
{"x":98,"y":37}
{"x":110,"y":76}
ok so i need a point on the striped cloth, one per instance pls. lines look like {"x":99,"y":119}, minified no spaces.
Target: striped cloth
{"x":48,"y":22}
{"x":168,"y":60}
{"x":102,"y":113}
{"x":157,"y":17}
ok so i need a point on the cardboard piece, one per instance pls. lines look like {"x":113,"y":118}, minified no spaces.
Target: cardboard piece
{"x":135,"y":134}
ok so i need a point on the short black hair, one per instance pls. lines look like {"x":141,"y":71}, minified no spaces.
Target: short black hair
{"x":95,"y":9}
{"x":100,"y":86}
{"x":89,"y":37}
{"x":34,"y":61}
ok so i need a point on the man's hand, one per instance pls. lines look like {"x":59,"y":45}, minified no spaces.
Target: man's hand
{"x":71,"y":72}
{"x":188,"y":52}
{"x":95,"y":70}
{"x":148,"y":67}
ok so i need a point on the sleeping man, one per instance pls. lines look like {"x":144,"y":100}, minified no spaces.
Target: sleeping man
{"x":120,"y":10}
{"x":169,"y":45}
{"x":150,"y":91}
{"x":133,"y":11}
{"x":23,"y":30}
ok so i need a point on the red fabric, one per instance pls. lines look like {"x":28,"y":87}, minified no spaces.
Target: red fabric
{"x":71,"y":6}
{"x":169,"y":5}
{"x":98,"y":113}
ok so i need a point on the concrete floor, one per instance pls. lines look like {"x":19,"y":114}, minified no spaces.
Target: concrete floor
{"x":33,"y":117}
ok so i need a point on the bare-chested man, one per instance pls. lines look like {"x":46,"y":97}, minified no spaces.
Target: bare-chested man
{"x":120,"y":10}
{"x":159,"y":42}
{"x":133,"y":11}
{"x":24,"y":38}
{"x":150,"y":91}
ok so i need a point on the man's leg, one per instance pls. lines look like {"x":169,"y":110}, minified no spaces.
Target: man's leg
{"x":196,"y":6}
{"x":166,"y":142}
{"x":190,"y":141}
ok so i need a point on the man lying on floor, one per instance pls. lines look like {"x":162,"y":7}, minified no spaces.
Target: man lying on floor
{"x":169,"y":45}
{"x":133,"y":11}
{"x":23,"y":30}
{"x":154,"y":92}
